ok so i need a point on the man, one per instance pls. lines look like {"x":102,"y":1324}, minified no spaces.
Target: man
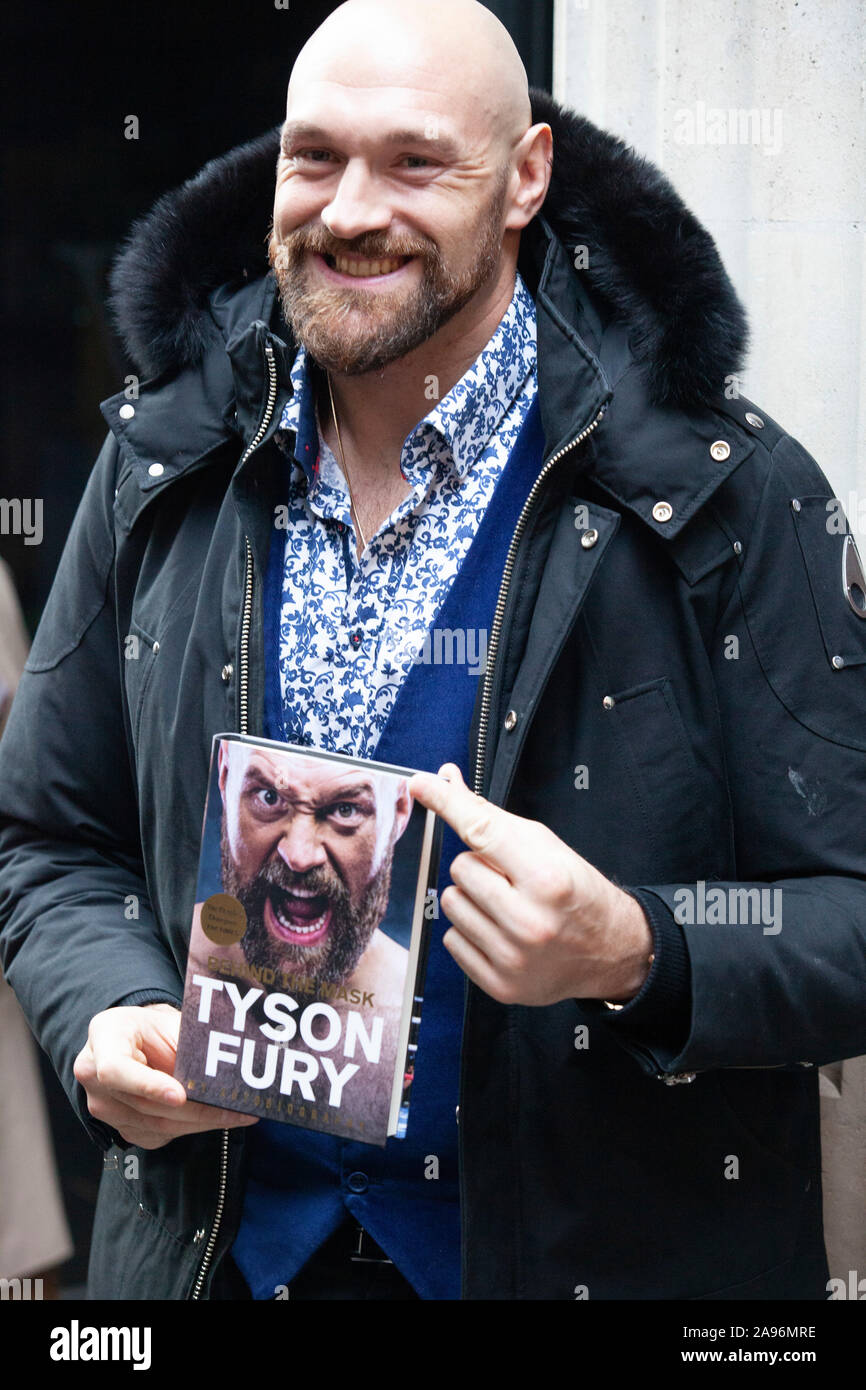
{"x":484,"y":389}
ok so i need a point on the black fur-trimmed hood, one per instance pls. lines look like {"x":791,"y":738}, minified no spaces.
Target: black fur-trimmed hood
{"x":648,"y":256}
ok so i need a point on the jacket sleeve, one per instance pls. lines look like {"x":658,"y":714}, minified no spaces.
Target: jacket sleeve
{"x":769,"y":969}
{"x":77,"y":931}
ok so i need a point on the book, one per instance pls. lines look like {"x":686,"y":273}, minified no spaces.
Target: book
{"x":309,"y":939}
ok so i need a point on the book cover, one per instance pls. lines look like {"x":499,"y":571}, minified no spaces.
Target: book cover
{"x":309,"y":937}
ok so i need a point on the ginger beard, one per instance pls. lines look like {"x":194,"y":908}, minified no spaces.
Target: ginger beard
{"x":350,"y":928}
{"x":357,"y":331}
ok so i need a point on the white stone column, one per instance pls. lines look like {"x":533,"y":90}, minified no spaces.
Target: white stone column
{"x":756,"y":110}
{"x":789,"y":212}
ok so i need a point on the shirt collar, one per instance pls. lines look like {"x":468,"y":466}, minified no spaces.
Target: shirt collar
{"x":466,"y":417}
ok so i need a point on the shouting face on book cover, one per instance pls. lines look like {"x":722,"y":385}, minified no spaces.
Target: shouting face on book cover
{"x":307,"y":848}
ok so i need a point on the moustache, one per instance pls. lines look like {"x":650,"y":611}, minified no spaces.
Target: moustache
{"x":318,"y":880}
{"x":370,"y":246}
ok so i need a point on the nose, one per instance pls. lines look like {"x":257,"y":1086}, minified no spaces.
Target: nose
{"x":300,"y":846}
{"x":358,"y":205}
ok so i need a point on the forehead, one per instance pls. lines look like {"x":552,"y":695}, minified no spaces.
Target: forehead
{"x":374,"y":105}
{"x":308,"y":778}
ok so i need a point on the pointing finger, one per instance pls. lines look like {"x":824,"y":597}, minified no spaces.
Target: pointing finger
{"x":483,"y":827}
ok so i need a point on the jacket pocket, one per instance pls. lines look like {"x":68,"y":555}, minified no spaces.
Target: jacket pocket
{"x":142,"y":645}
{"x":823,"y":546}
{"x":132,"y":1255}
{"x":677,"y":800}
{"x":140,"y":650}
{"x":809,"y":640}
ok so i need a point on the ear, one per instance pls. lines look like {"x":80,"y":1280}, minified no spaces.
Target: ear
{"x":533,"y":162}
{"x":402,"y":808}
{"x":223,"y":765}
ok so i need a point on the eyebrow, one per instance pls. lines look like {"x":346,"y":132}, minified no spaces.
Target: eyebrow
{"x":257,"y":773}
{"x":406,"y":135}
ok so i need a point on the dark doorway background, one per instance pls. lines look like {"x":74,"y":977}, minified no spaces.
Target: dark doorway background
{"x":200,"y":77}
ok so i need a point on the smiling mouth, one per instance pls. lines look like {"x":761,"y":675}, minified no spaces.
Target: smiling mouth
{"x":299,"y":917}
{"x":367,"y":269}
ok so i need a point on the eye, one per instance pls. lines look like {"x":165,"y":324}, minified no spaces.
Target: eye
{"x":266,"y":799}
{"x":313,"y":156}
{"x":345,"y":810}
{"x":418,"y":161}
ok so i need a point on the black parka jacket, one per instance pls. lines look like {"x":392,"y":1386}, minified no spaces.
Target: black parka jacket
{"x":676,"y":686}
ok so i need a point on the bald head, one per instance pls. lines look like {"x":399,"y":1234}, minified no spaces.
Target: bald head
{"x":408,"y":168}
{"x":453,"y":58}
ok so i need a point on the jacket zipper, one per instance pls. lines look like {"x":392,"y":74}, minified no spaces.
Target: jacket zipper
{"x":246,"y":621}
{"x":499,"y":612}
{"x":486,"y":693}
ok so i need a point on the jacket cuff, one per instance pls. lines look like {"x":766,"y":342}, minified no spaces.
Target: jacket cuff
{"x":659,"y":1015}
{"x":140,"y":997}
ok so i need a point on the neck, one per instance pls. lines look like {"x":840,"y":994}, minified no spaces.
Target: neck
{"x":378,"y":410}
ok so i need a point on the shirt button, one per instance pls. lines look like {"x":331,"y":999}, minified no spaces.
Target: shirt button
{"x":355,"y":639}
{"x":126,"y":412}
{"x":357,"y":1182}
{"x":156,"y":470}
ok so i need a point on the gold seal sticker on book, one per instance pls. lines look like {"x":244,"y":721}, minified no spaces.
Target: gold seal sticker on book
{"x":223,"y":919}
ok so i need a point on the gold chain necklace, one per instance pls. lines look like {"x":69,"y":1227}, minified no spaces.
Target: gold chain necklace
{"x":343,"y":463}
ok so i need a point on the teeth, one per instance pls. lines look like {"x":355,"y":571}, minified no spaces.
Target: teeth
{"x":301,"y":931}
{"x":367,"y":268}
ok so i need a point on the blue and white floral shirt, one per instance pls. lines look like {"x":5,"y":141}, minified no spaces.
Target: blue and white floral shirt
{"x":351,"y":629}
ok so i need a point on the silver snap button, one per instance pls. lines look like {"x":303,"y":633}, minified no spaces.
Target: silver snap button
{"x":589,"y":538}
{"x":738,"y":547}
{"x":126,"y":412}
{"x":663,"y":511}
{"x":755,"y":420}
{"x":608,"y":702}
{"x":510,"y":720}
{"x":156,"y":470}
{"x":226,"y":672}
{"x":155,"y":648}
{"x":838,"y":662}
{"x":720,"y":450}
{"x":795,"y":505}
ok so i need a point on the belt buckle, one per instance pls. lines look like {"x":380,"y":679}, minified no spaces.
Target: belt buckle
{"x":364,"y":1248}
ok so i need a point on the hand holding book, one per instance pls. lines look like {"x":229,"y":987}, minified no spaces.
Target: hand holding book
{"x":126,"y":1070}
